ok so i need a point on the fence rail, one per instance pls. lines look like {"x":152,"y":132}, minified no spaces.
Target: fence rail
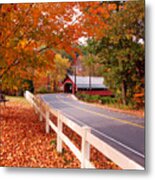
{"x":85,"y":132}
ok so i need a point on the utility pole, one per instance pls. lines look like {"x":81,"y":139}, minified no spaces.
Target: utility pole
{"x":90,"y":78}
{"x":74,"y":92}
{"x":75,"y":64}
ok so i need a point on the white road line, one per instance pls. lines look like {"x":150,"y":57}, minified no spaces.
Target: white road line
{"x":110,"y":138}
{"x":105,"y":135}
{"x":101,"y":114}
{"x":119,"y":143}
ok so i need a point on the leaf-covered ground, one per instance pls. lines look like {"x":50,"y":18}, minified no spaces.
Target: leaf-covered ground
{"x":24,"y":143}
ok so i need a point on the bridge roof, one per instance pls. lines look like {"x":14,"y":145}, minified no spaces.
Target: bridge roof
{"x":83,"y":81}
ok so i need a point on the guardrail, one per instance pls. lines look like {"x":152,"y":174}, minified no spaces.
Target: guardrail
{"x":85,"y":132}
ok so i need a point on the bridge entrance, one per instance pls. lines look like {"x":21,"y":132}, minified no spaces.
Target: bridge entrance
{"x":68,"y":88}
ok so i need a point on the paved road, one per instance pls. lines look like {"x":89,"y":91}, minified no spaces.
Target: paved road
{"x":122,"y":131}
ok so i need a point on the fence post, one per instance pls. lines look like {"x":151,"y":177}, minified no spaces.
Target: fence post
{"x":47,"y":122}
{"x":85,"y":146}
{"x":40,"y":117}
{"x":40,"y":108}
{"x":59,"y":140}
{"x":35,"y":109}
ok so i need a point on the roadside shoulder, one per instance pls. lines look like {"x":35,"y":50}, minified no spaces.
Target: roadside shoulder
{"x":138,"y":113}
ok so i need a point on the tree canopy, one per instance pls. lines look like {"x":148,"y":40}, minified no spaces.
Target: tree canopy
{"x":31,"y":35}
{"x":120,"y":52}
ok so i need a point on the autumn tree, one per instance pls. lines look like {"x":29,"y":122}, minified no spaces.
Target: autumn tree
{"x":25,"y":28}
{"x":59,"y":71}
{"x":50,"y":79}
{"x":121,"y":52}
{"x":31,"y":33}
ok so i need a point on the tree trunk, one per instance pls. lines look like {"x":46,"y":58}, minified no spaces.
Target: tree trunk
{"x":48,"y":82}
{"x":124,"y":89}
{"x":55,"y":86}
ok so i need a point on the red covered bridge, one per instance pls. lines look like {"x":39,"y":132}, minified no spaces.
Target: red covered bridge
{"x":85,"y":84}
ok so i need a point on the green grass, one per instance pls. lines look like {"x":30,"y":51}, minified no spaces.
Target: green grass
{"x":104,"y":100}
{"x":120,"y":106}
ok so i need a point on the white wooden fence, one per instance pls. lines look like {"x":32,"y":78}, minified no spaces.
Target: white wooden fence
{"x":85,"y":132}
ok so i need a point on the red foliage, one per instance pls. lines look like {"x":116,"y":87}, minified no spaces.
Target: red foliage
{"x":24,"y":143}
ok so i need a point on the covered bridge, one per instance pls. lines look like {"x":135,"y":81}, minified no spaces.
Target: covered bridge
{"x":85,"y":84}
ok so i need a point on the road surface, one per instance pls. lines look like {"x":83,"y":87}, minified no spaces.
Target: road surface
{"x":122,"y":131}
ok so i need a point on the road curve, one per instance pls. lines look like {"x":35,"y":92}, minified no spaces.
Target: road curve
{"x":122,"y":131}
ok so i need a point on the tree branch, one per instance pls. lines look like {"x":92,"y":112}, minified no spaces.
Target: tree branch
{"x":14,"y":63}
{"x":18,"y":26}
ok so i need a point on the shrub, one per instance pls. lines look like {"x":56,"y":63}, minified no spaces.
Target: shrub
{"x":86,"y":97}
{"x":108,"y":100}
{"x":42,"y":90}
{"x":94,"y":98}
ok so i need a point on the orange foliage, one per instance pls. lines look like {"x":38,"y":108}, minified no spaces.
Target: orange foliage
{"x":28,"y":27}
{"x":24,"y":143}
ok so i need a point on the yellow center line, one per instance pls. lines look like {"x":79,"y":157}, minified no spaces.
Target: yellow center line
{"x":103,"y":115}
